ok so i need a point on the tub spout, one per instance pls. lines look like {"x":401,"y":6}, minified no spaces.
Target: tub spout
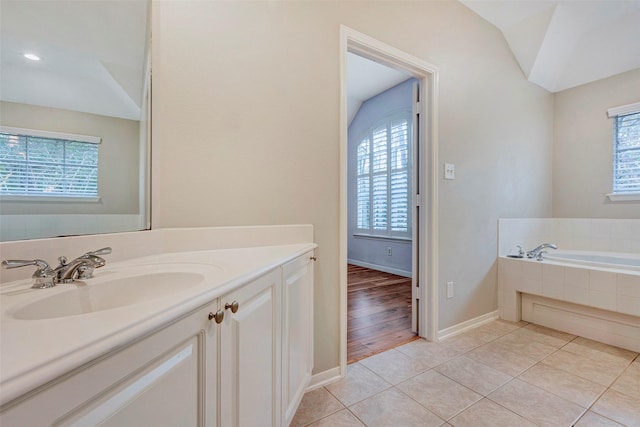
{"x":533,"y":253}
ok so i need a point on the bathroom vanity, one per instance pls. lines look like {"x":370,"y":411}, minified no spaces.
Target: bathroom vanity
{"x":233,"y":347}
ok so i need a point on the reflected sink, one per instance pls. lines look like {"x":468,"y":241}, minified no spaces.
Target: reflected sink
{"x":115,"y":289}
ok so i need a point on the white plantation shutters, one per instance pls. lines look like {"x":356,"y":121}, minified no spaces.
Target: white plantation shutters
{"x":383,"y":179}
{"x":44,"y":164}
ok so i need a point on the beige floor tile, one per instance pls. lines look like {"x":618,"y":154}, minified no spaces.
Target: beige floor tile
{"x":522,"y":343}
{"x":591,"y":419}
{"x":629,"y":382}
{"x":600,"y":351}
{"x":393,"y":408}
{"x":463,"y":342}
{"x":342,"y":418}
{"x":486,"y":413}
{"x":504,"y":361}
{"x":548,"y":336}
{"x":495,"y":329}
{"x":619,"y":407}
{"x":315,"y":404}
{"x":395,"y":366}
{"x":536,"y":405}
{"x":439,"y":394}
{"x":478,"y":377}
{"x":564,"y":384}
{"x":431,"y":353}
{"x":359,"y":384}
{"x":599,"y":371}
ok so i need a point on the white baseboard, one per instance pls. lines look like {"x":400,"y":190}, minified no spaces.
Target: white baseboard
{"x":323,"y":378}
{"x":466,"y":325}
{"x":386,"y":269}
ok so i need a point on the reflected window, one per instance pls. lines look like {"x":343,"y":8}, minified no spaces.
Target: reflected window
{"x":47,"y":164}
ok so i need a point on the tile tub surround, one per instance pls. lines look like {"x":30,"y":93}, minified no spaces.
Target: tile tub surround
{"x":473,"y":384}
{"x":601,"y":288}
{"x":585,"y":234}
{"x":611,"y":290}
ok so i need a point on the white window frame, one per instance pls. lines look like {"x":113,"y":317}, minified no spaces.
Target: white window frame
{"x":49,"y":135}
{"x":388,"y":233}
{"x":614,"y":113}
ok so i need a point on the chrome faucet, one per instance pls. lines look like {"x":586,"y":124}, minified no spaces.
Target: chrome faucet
{"x":79,"y":269}
{"x":538,"y":251}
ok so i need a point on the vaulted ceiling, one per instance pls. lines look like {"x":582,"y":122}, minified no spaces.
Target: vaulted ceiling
{"x":561,"y":44}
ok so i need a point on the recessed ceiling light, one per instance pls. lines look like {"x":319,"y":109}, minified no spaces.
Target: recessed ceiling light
{"x":32,"y":57}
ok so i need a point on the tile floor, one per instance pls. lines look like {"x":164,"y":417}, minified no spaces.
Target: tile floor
{"x":499,"y":374}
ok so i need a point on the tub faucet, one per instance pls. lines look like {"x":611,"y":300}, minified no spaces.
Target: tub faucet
{"x":535,"y":253}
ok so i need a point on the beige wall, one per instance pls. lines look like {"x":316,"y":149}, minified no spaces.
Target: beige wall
{"x":118,"y":158}
{"x":246,"y":131}
{"x":583,"y":148}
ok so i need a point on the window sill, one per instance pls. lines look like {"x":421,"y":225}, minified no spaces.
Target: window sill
{"x":621,"y":197}
{"x":50,"y":199}
{"x":377,"y":237}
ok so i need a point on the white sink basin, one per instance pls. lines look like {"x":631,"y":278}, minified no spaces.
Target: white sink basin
{"x":118,"y":288}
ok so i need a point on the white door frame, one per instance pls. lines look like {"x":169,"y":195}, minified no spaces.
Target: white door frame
{"x":427,"y":74}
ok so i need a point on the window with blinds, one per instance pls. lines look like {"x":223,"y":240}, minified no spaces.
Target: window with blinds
{"x":43,"y":164}
{"x":626,"y":155}
{"x":383,"y":179}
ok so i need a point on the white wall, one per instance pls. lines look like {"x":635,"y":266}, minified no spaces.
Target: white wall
{"x":246,"y":131}
{"x":583,"y":148}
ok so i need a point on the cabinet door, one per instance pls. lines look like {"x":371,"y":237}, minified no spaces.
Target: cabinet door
{"x":250,"y":354}
{"x":297,"y":356}
{"x":157,"y":381}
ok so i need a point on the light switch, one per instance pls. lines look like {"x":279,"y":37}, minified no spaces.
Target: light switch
{"x":449,"y":171}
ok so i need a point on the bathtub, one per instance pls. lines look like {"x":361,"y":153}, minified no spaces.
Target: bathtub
{"x":592,"y":294}
{"x":621,"y":261}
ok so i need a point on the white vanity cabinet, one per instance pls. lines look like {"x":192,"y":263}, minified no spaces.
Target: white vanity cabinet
{"x":162,"y":380}
{"x":243,"y":360}
{"x":297,"y":357}
{"x":250,"y":353}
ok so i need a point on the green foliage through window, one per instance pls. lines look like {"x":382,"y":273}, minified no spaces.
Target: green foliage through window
{"x":40,"y":166}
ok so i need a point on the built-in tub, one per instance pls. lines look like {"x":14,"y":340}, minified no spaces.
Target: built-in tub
{"x":596,"y":259}
{"x":591,"y":294}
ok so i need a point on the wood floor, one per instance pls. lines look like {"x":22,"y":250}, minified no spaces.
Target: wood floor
{"x":378,"y":312}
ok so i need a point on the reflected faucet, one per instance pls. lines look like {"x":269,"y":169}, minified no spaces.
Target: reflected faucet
{"x":536,"y":252}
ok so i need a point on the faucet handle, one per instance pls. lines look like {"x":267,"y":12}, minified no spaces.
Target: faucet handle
{"x":43,"y":277}
{"x":103,"y":251}
{"x":15,"y":263}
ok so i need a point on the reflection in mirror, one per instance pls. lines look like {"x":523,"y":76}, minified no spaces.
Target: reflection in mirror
{"x":74,"y":75}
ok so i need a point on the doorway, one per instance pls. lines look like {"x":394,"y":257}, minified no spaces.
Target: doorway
{"x":382,"y":134}
{"x":424,"y":191}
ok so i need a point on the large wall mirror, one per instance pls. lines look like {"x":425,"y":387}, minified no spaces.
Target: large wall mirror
{"x":74,"y":117}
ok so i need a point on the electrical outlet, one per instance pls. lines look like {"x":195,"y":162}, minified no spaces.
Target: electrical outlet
{"x":449,"y":171}
{"x":389,"y":252}
{"x":450,"y":292}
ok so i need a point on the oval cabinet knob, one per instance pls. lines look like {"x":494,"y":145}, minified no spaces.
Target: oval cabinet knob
{"x":234,"y":306}
{"x":313,"y":258}
{"x":218,"y":316}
